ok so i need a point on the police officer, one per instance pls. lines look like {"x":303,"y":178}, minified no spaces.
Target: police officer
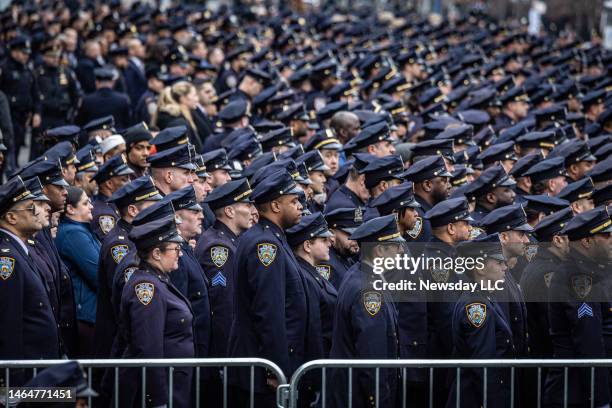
{"x":353,"y":192}
{"x":492,"y":189}
{"x":310,"y":242}
{"x":85,"y":170}
{"x":316,"y":169}
{"x":172,"y":169}
{"x":266,"y":269}
{"x":381,"y":174}
{"x":129,"y":201}
{"x":535,"y":283}
{"x":480,"y":328}
{"x":156,"y":320}
{"x":575,"y":311}
{"x":18,"y":82}
{"x":24,"y":291}
{"x":64,"y":154}
{"x":344,"y":251}
{"x":579,"y":194}
{"x":189,"y":278}
{"x":59,"y":88}
{"x":431,"y":183}
{"x":54,"y":187}
{"x":137,"y":148}
{"x":105,"y":101}
{"x":215,"y":251}
{"x":399,"y":200}
{"x":113,"y":175}
{"x":365,"y":322}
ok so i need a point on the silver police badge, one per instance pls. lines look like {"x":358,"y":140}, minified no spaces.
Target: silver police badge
{"x":416,"y":230}
{"x":440,"y":275}
{"x":266,"y":253}
{"x":144,"y":292}
{"x":127,"y":274}
{"x":7,"y":266}
{"x":219,"y":254}
{"x":324,"y":270}
{"x":582,"y":285}
{"x":106,"y":222}
{"x":372,"y":302}
{"x":531,"y":251}
{"x":476,"y":314}
{"x":118,"y":252}
{"x":475,"y":232}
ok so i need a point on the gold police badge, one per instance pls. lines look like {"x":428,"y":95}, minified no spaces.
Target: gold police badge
{"x":218,"y":254}
{"x":372,"y":302}
{"x":144,"y":292}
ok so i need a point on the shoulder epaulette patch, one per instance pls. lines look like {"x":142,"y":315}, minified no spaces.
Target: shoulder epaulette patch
{"x":372,"y":302}
{"x":219,"y":254}
{"x":7,"y":266}
{"x":476,"y":314}
{"x":106,"y":223}
{"x":582,"y":285}
{"x":145,"y":292}
{"x":266,"y":253}
{"x":118,"y":252}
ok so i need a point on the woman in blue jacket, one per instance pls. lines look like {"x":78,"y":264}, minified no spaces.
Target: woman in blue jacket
{"x":80,"y":251}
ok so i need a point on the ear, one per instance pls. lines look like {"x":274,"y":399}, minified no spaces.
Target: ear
{"x":132,"y":210}
{"x":372,"y":148}
{"x":307,"y":246}
{"x":504,"y":237}
{"x":575,"y":206}
{"x":491,"y":198}
{"x":450,"y":228}
{"x":384,"y":185}
{"x":168,"y":176}
{"x":275,"y":206}
{"x":427,"y":186}
{"x":229,"y":211}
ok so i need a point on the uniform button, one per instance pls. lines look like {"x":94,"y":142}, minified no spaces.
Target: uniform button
{"x":507,"y":340}
{"x":182,"y":320}
{"x":501,"y":381}
{"x":371,"y":398}
{"x":198,"y":293}
{"x":40,"y":304}
{"x":414,"y":343}
{"x":515,"y":318}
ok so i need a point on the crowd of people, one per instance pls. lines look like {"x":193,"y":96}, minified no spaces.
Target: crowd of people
{"x":219,"y":183}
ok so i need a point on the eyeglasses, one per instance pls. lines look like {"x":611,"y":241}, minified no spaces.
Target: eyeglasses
{"x":31,"y":209}
{"x":177,"y":249}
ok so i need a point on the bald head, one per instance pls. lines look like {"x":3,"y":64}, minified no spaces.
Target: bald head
{"x":346,"y":125}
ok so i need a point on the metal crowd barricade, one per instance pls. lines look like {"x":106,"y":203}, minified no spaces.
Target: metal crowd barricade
{"x":88,"y":365}
{"x":292,"y":389}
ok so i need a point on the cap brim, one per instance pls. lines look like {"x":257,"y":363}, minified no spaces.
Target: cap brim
{"x":174,"y":238}
{"x":325,"y":234}
{"x":498,"y":257}
{"x":507,"y":183}
{"x":293,"y":190}
{"x":195,"y":207}
{"x":468,"y":218}
{"x":156,"y":197}
{"x":524,"y":227}
{"x":413,"y":204}
{"x":60,"y":182}
{"x":445,"y":174}
{"x":41,"y":197}
{"x":589,"y":158}
{"x":125,"y":172}
{"x":187,"y":166}
{"x":347,"y":230}
{"x":202,"y":174}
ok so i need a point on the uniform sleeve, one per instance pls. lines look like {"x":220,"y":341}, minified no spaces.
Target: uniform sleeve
{"x":267,"y":284}
{"x":84,"y":253}
{"x":370,"y":334}
{"x":36,"y":95}
{"x":146,"y":335}
{"x":11,"y":299}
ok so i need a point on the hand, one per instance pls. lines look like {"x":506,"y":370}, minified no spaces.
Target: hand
{"x":272,"y":383}
{"x":36,"y":120}
{"x":192,"y":243}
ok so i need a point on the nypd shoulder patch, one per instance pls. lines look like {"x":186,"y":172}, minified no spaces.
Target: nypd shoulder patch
{"x":127,"y":274}
{"x":372,"y":302}
{"x":266,"y":253}
{"x":324,"y":271}
{"x":145,"y":292}
{"x":106,"y":223}
{"x":118,"y":252}
{"x":582,"y":285}
{"x":476,"y":314}
{"x":440,"y":275}
{"x":7,"y":266}
{"x":219,"y":254}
